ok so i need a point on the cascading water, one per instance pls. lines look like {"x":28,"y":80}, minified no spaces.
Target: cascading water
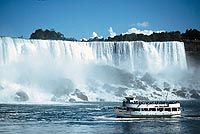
{"x":36,"y":66}
{"x":134,"y":56}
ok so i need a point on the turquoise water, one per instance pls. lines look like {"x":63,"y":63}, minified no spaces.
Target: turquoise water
{"x":90,"y":118}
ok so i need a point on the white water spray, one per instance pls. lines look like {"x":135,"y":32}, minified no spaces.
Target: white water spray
{"x":40,"y":61}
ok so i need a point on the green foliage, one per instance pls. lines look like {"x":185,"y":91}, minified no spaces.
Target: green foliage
{"x":191,"y":34}
{"x":96,"y":39}
{"x":49,"y":35}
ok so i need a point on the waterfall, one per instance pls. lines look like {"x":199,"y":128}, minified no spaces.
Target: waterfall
{"x":52,"y":70}
{"x":132,"y":56}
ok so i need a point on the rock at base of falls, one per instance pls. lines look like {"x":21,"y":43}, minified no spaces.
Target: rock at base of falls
{"x":166,"y":89}
{"x":187,"y":93}
{"x":166,"y":85}
{"x":180,"y":93}
{"x":148,"y":79}
{"x":21,"y":96}
{"x":195,"y":94}
{"x":157,"y":94}
{"x":72,"y":100}
{"x":80,"y":95}
{"x":54,"y":98}
{"x":99,"y":99}
{"x":138,"y":84}
{"x":156,"y":88}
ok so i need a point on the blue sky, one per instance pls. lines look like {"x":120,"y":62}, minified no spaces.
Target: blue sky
{"x":80,"y":18}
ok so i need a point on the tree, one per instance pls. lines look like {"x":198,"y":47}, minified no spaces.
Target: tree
{"x":49,"y":35}
{"x":191,"y":34}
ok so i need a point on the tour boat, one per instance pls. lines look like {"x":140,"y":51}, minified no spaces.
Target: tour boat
{"x":133,"y":108}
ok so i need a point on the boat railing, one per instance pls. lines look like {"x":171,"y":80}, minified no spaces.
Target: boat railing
{"x":152,"y":102}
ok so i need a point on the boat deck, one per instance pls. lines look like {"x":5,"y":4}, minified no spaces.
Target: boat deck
{"x":153,"y":102}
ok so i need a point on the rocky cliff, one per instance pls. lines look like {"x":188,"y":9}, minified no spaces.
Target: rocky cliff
{"x":192,"y":49}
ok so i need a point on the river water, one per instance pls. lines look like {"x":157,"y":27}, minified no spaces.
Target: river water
{"x":90,"y":118}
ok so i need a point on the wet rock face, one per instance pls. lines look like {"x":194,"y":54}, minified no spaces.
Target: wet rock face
{"x":80,"y":95}
{"x":157,"y":94}
{"x":99,"y":99}
{"x":166,"y":89}
{"x":156,"y":88}
{"x":148,"y":79}
{"x":138,"y":84}
{"x":54,"y":98}
{"x":195,"y":94}
{"x":181,"y":93}
{"x":21,"y":96}
{"x":72,"y":100}
{"x":166,"y":85}
{"x":193,"y":58}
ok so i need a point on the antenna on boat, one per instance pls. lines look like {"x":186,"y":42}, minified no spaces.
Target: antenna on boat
{"x":166,"y":97}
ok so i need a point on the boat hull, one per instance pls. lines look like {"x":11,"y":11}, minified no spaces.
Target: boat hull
{"x":146,"y":114}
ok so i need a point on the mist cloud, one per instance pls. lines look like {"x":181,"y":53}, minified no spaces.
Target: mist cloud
{"x":112,"y":33}
{"x":138,"y":31}
{"x":143,"y":24}
{"x":95,"y":35}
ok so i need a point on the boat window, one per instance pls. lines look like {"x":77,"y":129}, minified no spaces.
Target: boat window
{"x":167,"y":109}
{"x":160,"y":109}
{"x":145,"y":109}
{"x":124,"y":108}
{"x":174,"y":109}
{"x":124,"y":104}
{"x":152,"y":109}
{"x":135,"y":109}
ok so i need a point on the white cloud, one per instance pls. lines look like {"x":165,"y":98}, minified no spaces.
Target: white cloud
{"x":145,"y":32}
{"x":83,"y":39}
{"x":112,"y":33}
{"x":94,"y":35}
{"x":143,"y":24}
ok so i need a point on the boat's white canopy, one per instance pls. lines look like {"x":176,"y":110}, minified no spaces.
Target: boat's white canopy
{"x":130,"y":97}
